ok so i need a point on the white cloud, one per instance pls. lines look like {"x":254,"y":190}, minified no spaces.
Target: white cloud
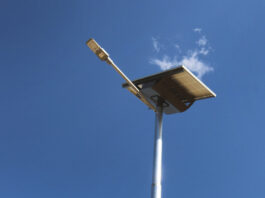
{"x":191,"y":61}
{"x":197,"y":30}
{"x":156,"y":45}
{"x":165,"y":63}
{"x":204,"y":51}
{"x":196,"y":65}
{"x":202,"y":41}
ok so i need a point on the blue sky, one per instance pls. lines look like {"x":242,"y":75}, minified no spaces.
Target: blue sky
{"x":69,"y":130}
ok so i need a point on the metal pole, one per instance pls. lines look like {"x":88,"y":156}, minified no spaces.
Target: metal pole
{"x":136,"y":91}
{"x":157,"y":163}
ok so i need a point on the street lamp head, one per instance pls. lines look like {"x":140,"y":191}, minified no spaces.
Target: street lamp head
{"x":99,"y":51}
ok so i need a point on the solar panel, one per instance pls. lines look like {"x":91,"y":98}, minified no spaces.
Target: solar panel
{"x":178,"y":88}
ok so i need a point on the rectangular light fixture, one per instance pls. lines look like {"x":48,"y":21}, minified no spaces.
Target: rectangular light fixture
{"x":99,"y":51}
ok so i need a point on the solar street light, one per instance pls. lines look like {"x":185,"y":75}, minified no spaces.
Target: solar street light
{"x":171,"y":91}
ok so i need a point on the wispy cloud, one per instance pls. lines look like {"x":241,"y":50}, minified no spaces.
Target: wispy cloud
{"x":156,"y":44}
{"x":165,"y":63}
{"x":192,"y":59}
{"x":178,"y":48}
{"x":195,"y":64}
{"x":204,"y":51}
{"x":197,"y":30}
{"x":202,"y":41}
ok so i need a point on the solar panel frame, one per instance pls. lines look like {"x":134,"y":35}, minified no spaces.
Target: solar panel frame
{"x":178,"y":83}
{"x":178,"y":70}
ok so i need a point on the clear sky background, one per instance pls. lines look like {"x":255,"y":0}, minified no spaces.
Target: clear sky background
{"x":69,"y":130}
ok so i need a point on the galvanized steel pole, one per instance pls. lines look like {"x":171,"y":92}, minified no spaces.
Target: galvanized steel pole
{"x":157,"y":163}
